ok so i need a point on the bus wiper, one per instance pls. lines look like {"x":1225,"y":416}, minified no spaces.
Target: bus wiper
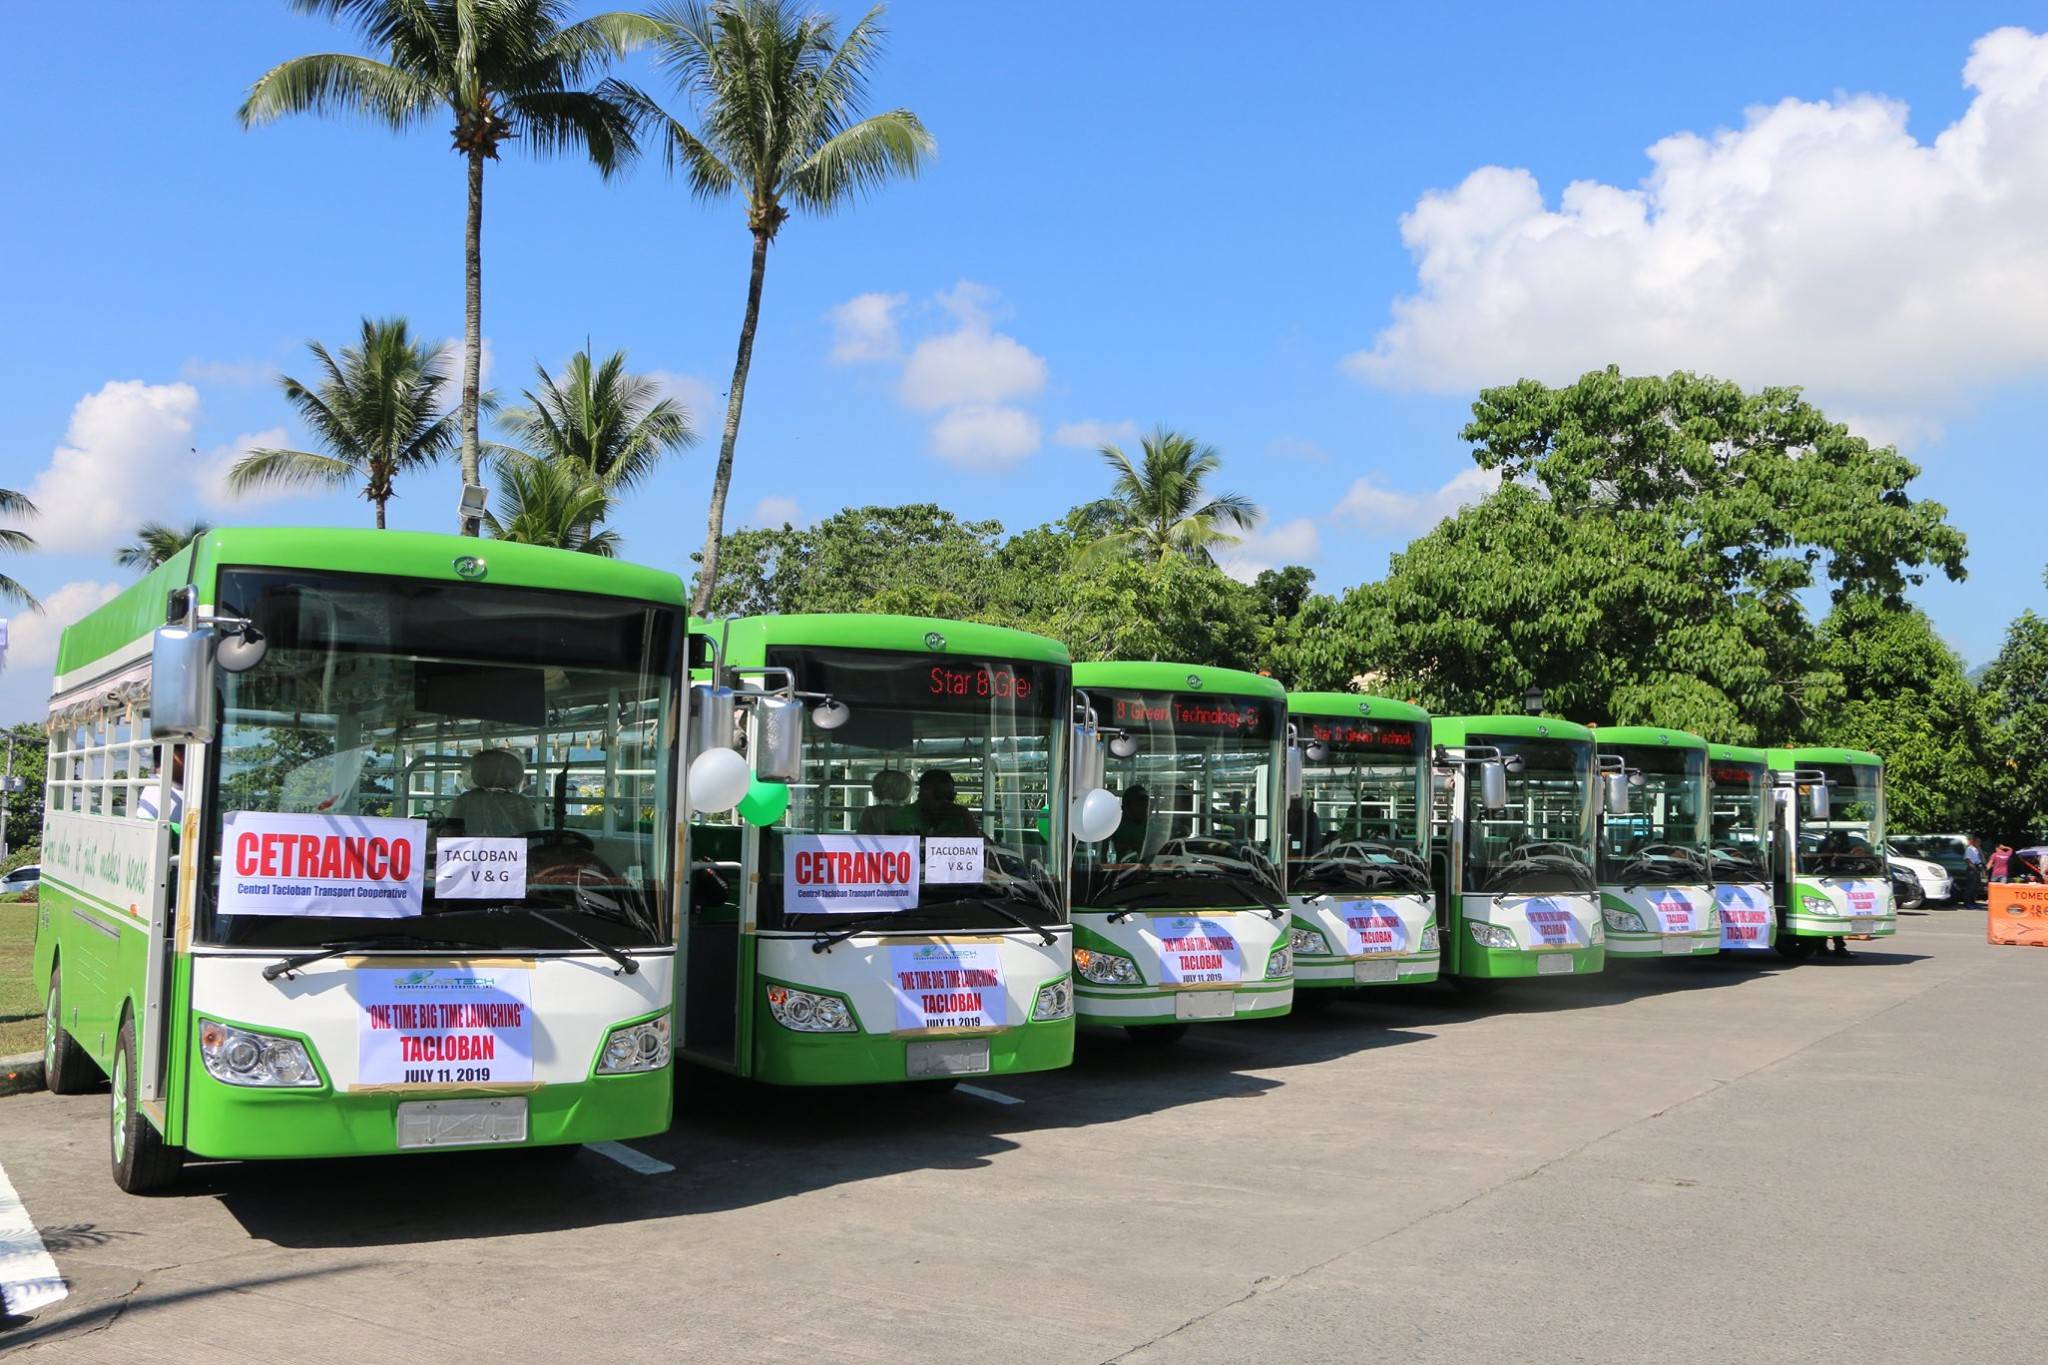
{"x":393,"y":939}
{"x":627,"y":965}
{"x":824,"y":942}
{"x":1013,"y":917}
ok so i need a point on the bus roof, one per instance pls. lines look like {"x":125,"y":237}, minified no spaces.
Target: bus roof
{"x":1459,"y":729}
{"x":1166,"y":677}
{"x":1737,"y":753}
{"x":1648,"y":735}
{"x":139,"y":609}
{"x":1352,"y":704}
{"x":1787,"y":759}
{"x":748,"y":637}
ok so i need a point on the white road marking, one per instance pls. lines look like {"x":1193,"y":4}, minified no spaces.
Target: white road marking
{"x":630,"y":1159}
{"x":28,"y":1277}
{"x":995,"y":1096}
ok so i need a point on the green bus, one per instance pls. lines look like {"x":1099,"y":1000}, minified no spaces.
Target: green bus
{"x":1181,"y":914}
{"x":1827,"y":855}
{"x":890,"y":901}
{"x":1656,"y":876}
{"x":1512,"y":848}
{"x":361,"y":842}
{"x":1358,"y":886}
{"x":1739,"y":810}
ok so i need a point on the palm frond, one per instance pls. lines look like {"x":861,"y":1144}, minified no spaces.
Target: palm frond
{"x":339,"y":82}
{"x":271,"y":468}
{"x":13,"y":539}
{"x":681,"y":151}
{"x":11,"y":591}
{"x":859,"y":159}
{"x":596,"y":122}
{"x":14,"y":504}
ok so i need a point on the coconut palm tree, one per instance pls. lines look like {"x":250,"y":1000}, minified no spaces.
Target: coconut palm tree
{"x":377,"y":409}
{"x":777,"y":95}
{"x":155,"y":542}
{"x":13,"y":504}
{"x":503,"y":70}
{"x":1161,"y":506}
{"x":543,"y":502}
{"x":612,"y":425}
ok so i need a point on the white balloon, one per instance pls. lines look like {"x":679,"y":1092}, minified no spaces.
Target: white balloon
{"x":1097,"y":815}
{"x":718,"y":779}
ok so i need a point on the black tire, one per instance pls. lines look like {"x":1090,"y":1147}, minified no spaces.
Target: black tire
{"x":143,"y":1162}
{"x":1155,"y":1035}
{"x":1795,"y":947}
{"x":67,"y":1069}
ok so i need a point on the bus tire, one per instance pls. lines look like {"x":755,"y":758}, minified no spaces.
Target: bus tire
{"x":1795,"y":947}
{"x":143,"y":1162}
{"x":1156,"y":1035}
{"x":67,"y":1070}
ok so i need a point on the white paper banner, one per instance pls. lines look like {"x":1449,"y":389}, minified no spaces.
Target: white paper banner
{"x":952,"y":859}
{"x":1746,"y":914}
{"x":475,"y":868}
{"x":444,"y":1025}
{"x":1197,"y":952}
{"x":1865,"y":898}
{"x":1553,"y":925}
{"x":1673,"y":912}
{"x":948,"y":986}
{"x":1372,"y":927}
{"x":843,"y":874}
{"x":343,"y":866}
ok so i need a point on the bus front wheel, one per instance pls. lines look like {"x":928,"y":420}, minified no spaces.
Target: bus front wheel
{"x":143,"y":1162}
{"x":67,"y":1070}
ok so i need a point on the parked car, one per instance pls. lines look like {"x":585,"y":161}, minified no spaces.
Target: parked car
{"x":2029,"y":865}
{"x":1927,"y":882}
{"x":24,"y":878}
{"x":1906,"y":890}
{"x":1951,"y":851}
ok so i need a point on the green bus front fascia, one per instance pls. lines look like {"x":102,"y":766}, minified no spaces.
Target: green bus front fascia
{"x":1084,"y":937}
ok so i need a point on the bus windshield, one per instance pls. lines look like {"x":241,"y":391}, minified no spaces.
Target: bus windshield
{"x":1358,"y":825}
{"x":1199,"y":795}
{"x":1661,"y":839}
{"x":508,"y":752}
{"x":949,"y":757}
{"x":1739,"y":821}
{"x":1543,"y":840}
{"x":1849,"y":842}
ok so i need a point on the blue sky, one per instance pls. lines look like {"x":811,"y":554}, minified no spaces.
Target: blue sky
{"x":1275,"y":228}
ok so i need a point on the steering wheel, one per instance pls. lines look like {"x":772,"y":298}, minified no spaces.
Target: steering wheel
{"x":551,"y":838}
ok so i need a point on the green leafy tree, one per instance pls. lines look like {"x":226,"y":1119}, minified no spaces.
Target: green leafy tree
{"x":1160,"y":504}
{"x":777,"y":95}
{"x":613,"y":425}
{"x":377,"y":409}
{"x":25,"y":807}
{"x":2016,"y":708}
{"x":1174,"y":609}
{"x":156,"y":542}
{"x":13,"y":504}
{"x":913,"y":558}
{"x":502,"y":71}
{"x":556,"y":505}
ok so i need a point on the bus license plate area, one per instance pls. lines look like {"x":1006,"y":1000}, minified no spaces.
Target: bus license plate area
{"x":1862,"y":926}
{"x":1366,"y":973}
{"x":1675,"y":946}
{"x":461,"y":1123}
{"x":1555,"y":964}
{"x":1205,"y":1004}
{"x":947,"y":1057}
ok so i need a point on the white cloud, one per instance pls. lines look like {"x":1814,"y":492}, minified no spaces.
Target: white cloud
{"x":700,"y":396}
{"x":973,"y":363}
{"x":1821,"y":243}
{"x":775,"y":511}
{"x":1377,"y":510}
{"x":125,"y":444}
{"x":1291,"y":542}
{"x":984,"y":436}
{"x":864,"y":329}
{"x":32,"y":638}
{"x":1091,"y":433}
{"x":211,"y":475}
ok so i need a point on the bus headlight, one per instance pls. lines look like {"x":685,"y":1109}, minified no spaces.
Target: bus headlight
{"x":809,"y":1012}
{"x":1429,"y":938}
{"x":1055,"y":1000}
{"x":1622,"y":921}
{"x":1491,"y":935}
{"x":1106,"y":969}
{"x":1308,"y":941}
{"x":1280,"y":964}
{"x":635,"y":1047}
{"x":244,"y":1057}
{"x":1596,"y":933}
{"x":1817,"y":905}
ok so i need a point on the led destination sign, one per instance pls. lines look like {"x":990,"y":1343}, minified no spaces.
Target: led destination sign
{"x":1188,"y":713}
{"x":1357,"y":736}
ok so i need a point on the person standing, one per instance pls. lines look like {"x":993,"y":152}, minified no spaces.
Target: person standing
{"x":1973,"y":870}
{"x":2001,"y":859}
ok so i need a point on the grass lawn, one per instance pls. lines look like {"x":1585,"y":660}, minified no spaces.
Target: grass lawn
{"x":21,"y":1014}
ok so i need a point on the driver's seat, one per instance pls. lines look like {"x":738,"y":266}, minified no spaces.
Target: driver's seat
{"x":493,"y":807}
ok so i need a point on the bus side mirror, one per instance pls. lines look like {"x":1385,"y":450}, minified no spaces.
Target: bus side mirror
{"x":778,"y":739}
{"x":1614,"y":793}
{"x":1817,"y":801}
{"x":1440,"y":782}
{"x":1295,"y":784}
{"x":1493,"y":784}
{"x":181,"y":684}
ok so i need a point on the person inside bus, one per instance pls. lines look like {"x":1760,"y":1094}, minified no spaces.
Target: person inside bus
{"x":938,"y":809}
{"x":493,"y":808}
{"x":145,"y":800}
{"x":1128,"y":843}
{"x":888,"y":811}
{"x":1304,"y":830}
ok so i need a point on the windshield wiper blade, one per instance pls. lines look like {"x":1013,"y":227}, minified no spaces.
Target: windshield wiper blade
{"x":1013,"y":917}
{"x":824,"y":940}
{"x":627,"y":964}
{"x":286,"y":966}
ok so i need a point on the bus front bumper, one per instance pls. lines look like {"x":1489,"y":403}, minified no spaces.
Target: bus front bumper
{"x":1136,"y":1008}
{"x":1410,"y":969}
{"x":1621,"y":943}
{"x":1498,"y":964}
{"x":794,"y":1058}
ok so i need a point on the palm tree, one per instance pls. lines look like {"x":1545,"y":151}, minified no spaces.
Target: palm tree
{"x":612,"y":425}
{"x":377,"y":410}
{"x":503,"y":70}
{"x":156,"y":542}
{"x":777,"y":95}
{"x":13,"y":504}
{"x":542,"y":502}
{"x":1160,"y":503}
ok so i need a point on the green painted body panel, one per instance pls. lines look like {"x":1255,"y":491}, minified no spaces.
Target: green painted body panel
{"x":1169,"y":677}
{"x":1785,"y":760}
{"x":130,"y":615}
{"x":1648,"y":735}
{"x":1354,"y":704}
{"x":748,"y":639}
{"x":791,"y":1058}
{"x":1499,"y":964}
{"x":1460,"y":729}
{"x":102,"y":952}
{"x":1738,"y":753}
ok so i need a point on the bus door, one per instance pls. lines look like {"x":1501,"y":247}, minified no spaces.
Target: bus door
{"x":1446,"y":858}
{"x":165,"y":907}
{"x":1784,"y":842}
{"x":718,"y":893}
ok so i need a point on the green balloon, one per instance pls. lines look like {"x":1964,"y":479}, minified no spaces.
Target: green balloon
{"x":764,"y":802}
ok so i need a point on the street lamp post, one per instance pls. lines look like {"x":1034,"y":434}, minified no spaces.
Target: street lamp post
{"x":1532,"y":700}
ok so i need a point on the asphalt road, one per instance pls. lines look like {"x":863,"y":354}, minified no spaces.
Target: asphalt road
{"x":1685,"y":1160}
